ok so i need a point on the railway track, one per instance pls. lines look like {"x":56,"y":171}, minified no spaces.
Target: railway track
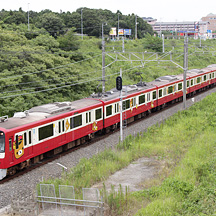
{"x":96,"y":139}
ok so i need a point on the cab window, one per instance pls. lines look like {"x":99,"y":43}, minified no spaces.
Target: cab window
{"x":2,"y":142}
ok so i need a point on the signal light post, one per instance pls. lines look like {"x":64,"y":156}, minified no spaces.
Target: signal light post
{"x":119,"y":88}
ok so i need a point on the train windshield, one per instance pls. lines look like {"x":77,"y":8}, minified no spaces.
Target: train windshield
{"x":2,"y":142}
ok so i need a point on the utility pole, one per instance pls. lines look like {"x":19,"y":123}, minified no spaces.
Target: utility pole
{"x":103,"y":61}
{"x":81,"y":24}
{"x":185,"y":69}
{"x":123,"y":50}
{"x":136,"y":27}
{"x":118,"y":26}
{"x":28,"y":16}
{"x":163,"y":41}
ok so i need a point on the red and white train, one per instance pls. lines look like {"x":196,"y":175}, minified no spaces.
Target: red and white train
{"x":51,"y":128}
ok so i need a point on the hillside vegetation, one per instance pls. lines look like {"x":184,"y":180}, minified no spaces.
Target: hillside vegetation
{"x":38,"y":67}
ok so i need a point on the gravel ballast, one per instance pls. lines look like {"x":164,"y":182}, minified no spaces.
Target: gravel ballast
{"x":25,"y":184}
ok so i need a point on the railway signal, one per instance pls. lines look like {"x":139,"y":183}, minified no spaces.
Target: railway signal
{"x":119,"y":83}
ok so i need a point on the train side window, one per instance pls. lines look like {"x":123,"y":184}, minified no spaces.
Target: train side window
{"x":170,"y":89}
{"x":86,"y":117}
{"x":89,"y":116}
{"x":160,"y":93}
{"x":59,"y":127}
{"x":204,"y":78}
{"x":10,"y":144}
{"x":188,"y":83}
{"x":141,"y":99}
{"x":98,"y":114}
{"x":109,"y":110}
{"x":25,"y":139}
{"x":45,"y":132}
{"x":30,"y":140}
{"x":198,"y":79}
{"x":210,"y":76}
{"x":77,"y":121}
{"x":154,"y":95}
{"x":180,"y":86}
{"x":191,"y":82}
{"x":63,"y":126}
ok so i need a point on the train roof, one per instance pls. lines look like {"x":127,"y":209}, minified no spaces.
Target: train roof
{"x":45,"y":111}
{"x":126,"y":89}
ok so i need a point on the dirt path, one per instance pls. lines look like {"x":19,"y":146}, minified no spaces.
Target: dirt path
{"x":133,"y":176}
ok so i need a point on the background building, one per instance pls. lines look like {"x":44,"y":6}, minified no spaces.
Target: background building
{"x":192,"y":28}
{"x":211,"y":19}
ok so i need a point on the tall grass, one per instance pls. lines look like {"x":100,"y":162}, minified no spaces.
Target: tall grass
{"x":186,"y":143}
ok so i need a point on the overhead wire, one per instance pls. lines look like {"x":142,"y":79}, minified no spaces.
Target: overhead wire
{"x":45,"y":70}
{"x":65,"y":86}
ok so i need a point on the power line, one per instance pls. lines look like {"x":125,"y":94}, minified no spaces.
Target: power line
{"x":58,"y":67}
{"x":52,"y":79}
{"x":65,"y":86}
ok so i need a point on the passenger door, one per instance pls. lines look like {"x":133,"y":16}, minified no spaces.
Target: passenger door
{"x":29,"y":142}
{"x":11,"y":153}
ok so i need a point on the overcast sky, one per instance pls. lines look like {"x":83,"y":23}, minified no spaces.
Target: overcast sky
{"x":162,"y":10}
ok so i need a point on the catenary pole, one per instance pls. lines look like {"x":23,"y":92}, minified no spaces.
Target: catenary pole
{"x":185,"y":70}
{"x":103,"y":61}
{"x":163,"y":41}
{"x":136,"y":27}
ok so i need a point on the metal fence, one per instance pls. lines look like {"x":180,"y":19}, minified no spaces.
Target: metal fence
{"x":66,"y":204}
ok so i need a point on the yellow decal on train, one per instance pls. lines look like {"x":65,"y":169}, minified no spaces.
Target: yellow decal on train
{"x":131,"y":104}
{"x":94,"y":126}
{"x":152,"y":104}
{"x":18,"y":147}
{"x":67,"y":125}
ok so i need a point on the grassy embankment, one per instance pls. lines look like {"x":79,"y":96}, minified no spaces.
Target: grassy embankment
{"x":185,"y":143}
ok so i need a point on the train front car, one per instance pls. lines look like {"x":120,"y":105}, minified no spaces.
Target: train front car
{"x":3,"y":170}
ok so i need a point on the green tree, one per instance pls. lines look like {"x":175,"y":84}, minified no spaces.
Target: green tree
{"x":69,"y":41}
{"x":52,"y":23}
{"x":45,"y":41}
{"x":152,"y":43}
